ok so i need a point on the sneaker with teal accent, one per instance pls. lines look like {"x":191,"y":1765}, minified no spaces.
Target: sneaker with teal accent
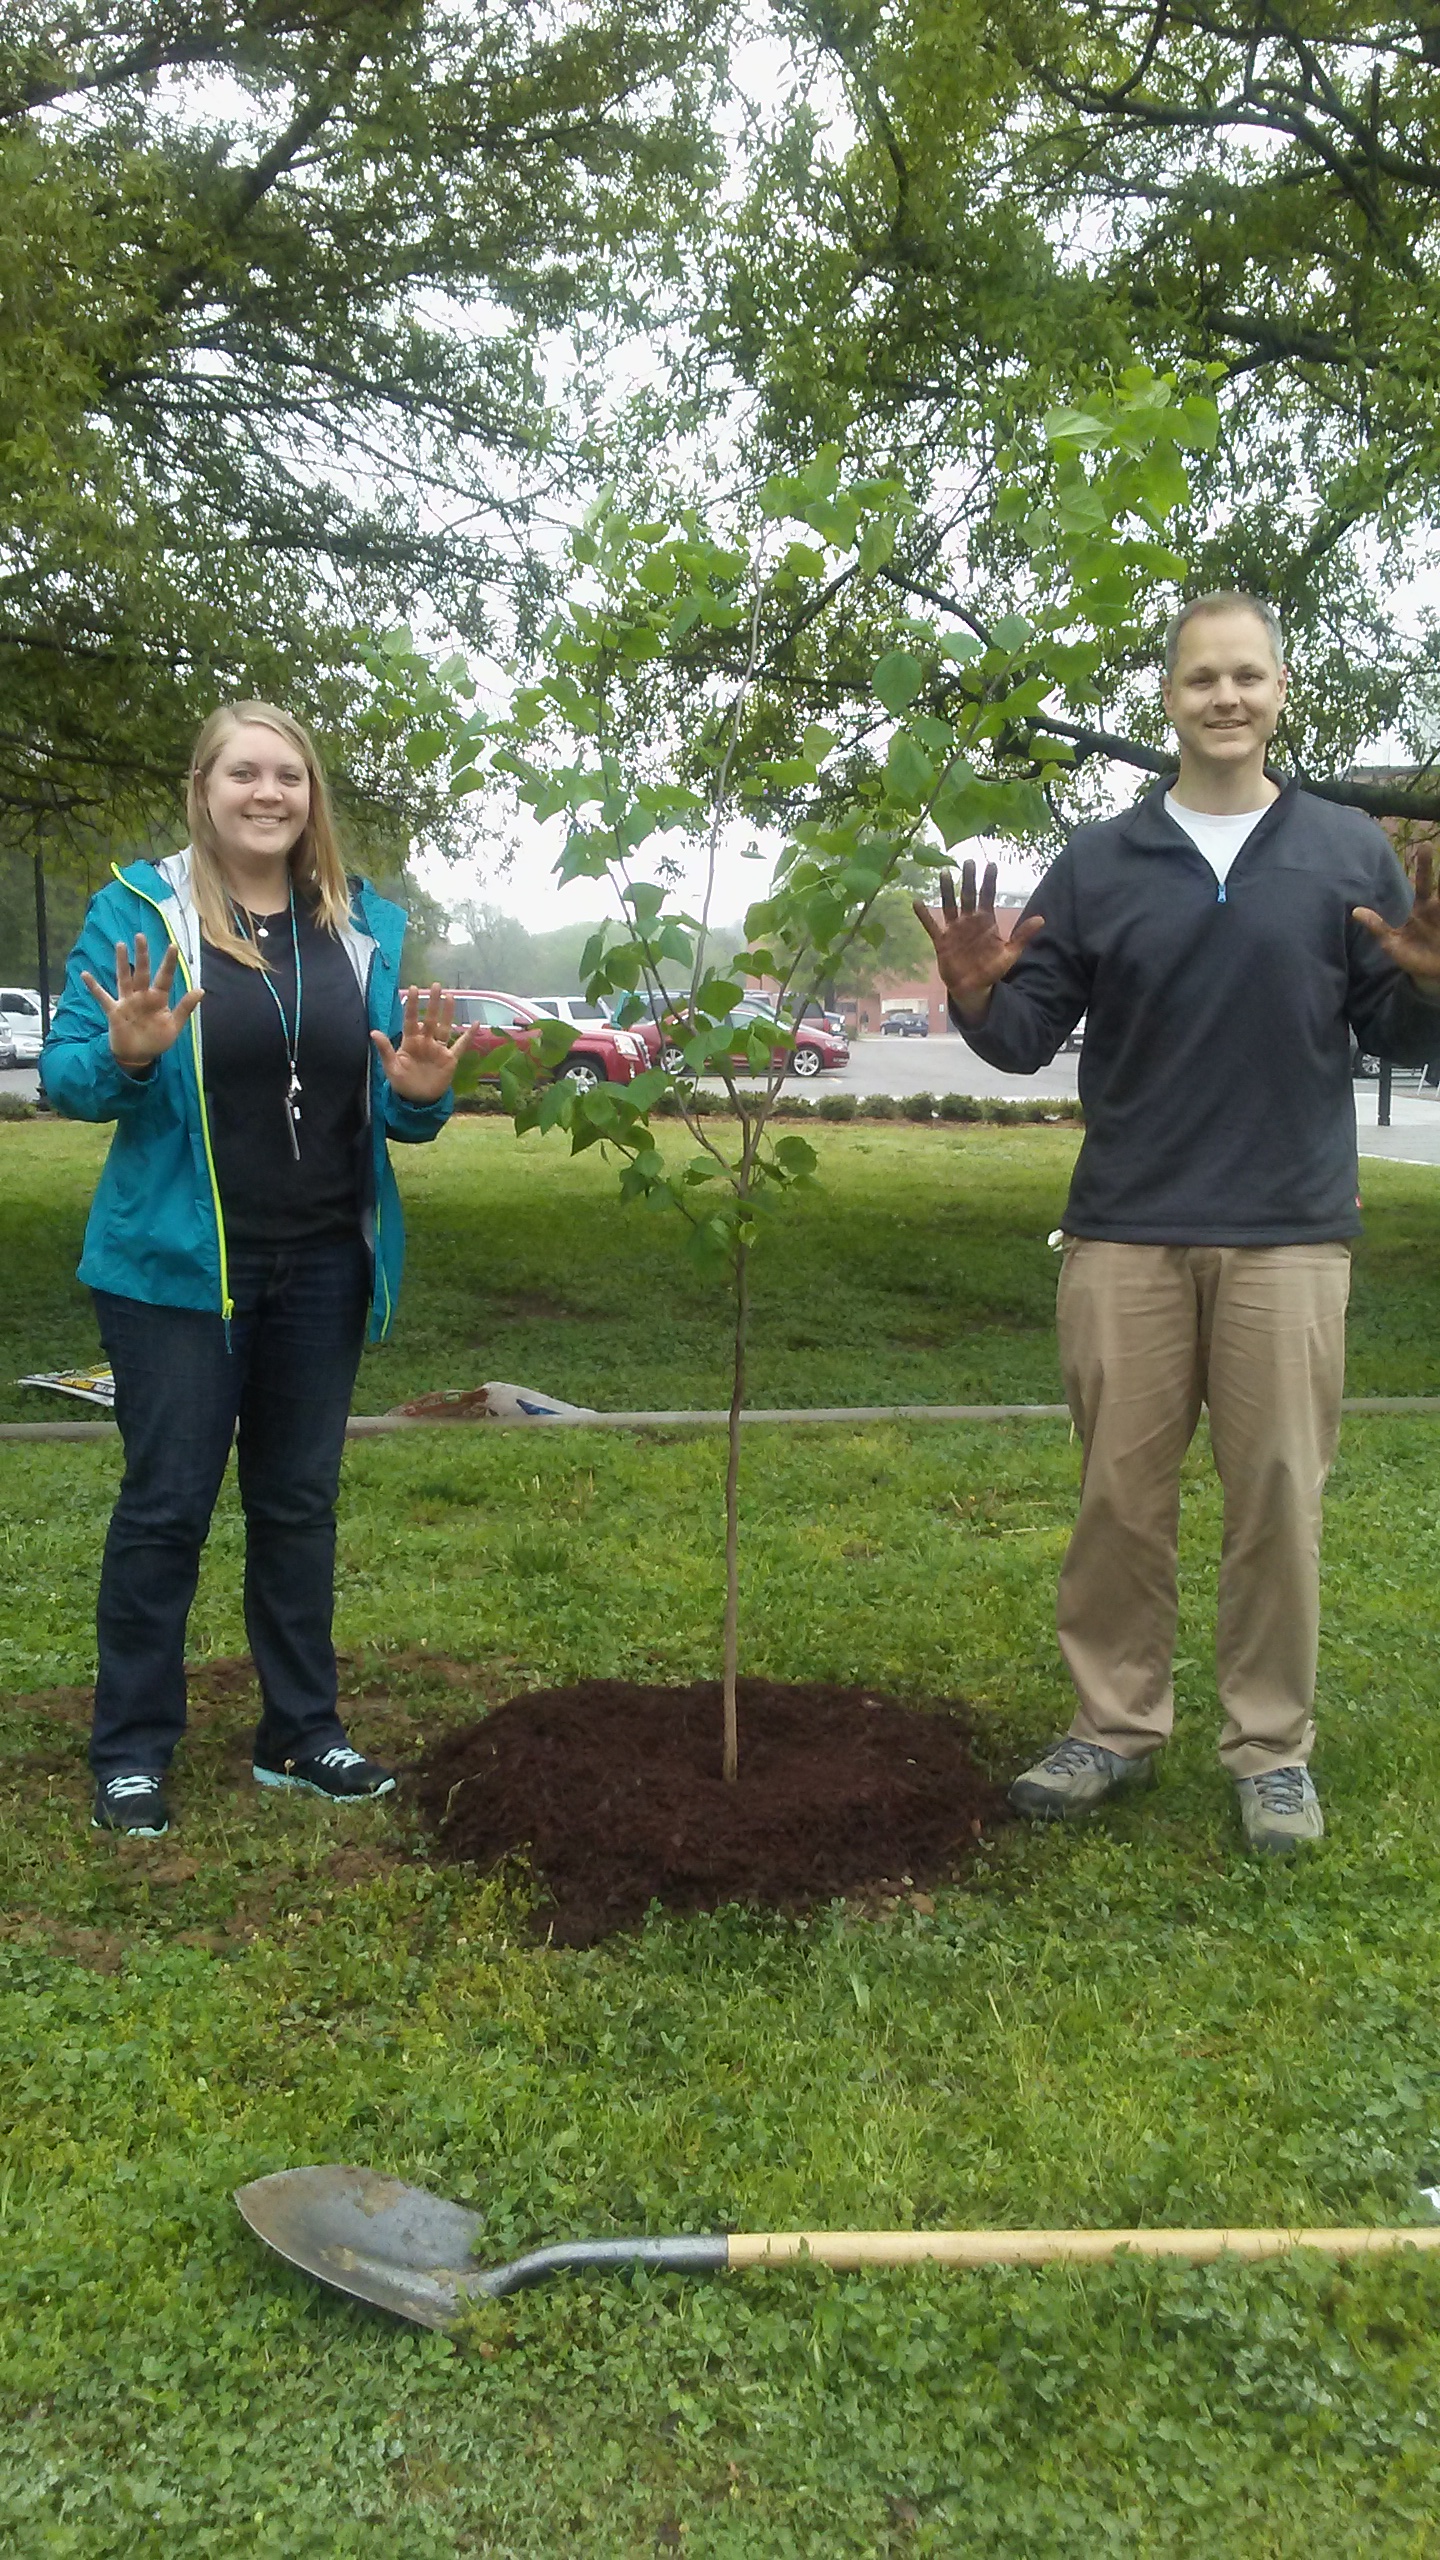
{"x":342,"y":1774}
{"x":1279,"y":1810}
{"x":1074,"y":1778}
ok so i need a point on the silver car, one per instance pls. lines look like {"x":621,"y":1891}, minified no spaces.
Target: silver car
{"x":21,"y":1015}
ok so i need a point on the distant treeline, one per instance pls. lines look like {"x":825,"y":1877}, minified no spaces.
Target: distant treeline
{"x":498,"y":952}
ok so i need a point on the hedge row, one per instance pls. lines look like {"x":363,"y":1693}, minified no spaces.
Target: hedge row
{"x":790,"y":1106}
{"x":922,"y":1107}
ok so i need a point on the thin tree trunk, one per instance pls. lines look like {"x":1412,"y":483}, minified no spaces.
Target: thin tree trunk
{"x":730,"y":1766}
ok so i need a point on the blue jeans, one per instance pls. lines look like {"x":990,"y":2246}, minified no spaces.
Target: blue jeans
{"x":280,"y":1387}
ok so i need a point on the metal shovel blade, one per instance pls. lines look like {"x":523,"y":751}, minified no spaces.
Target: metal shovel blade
{"x":370,"y":2237}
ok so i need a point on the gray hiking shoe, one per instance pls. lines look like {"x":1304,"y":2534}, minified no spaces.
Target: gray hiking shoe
{"x":1279,"y":1810}
{"x":1073,"y":1778}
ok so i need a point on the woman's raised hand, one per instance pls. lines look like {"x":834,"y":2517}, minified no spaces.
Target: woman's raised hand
{"x":423,"y":1066}
{"x":971,"y":952}
{"x":142,"y":1020}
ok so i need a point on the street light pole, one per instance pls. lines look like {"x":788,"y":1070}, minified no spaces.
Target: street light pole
{"x":42,"y":942}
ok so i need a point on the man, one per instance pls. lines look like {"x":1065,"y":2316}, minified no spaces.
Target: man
{"x":1222,"y":938}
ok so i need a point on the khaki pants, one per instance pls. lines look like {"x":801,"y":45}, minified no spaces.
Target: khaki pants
{"x":1147,"y":1333}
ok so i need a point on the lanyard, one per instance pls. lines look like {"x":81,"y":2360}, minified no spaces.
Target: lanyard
{"x":252,"y":932}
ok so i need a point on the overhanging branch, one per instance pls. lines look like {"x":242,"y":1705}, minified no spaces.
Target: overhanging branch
{"x":1377,"y":798}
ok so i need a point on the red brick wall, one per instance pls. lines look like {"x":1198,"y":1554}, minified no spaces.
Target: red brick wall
{"x":918,"y":995}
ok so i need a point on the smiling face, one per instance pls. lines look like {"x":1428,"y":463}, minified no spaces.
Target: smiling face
{"x":1225,"y":695}
{"x":257,"y":793}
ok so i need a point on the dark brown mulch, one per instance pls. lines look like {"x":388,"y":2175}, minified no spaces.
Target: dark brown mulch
{"x":615,"y":1794}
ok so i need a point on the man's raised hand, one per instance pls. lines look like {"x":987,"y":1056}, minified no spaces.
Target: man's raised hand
{"x":141,"y":1018}
{"x":1414,"y":946}
{"x":970,"y":951}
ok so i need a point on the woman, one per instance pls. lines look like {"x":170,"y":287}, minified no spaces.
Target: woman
{"x":246,"y":1218}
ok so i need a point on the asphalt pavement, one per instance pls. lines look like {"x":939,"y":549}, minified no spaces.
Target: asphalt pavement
{"x":940,"y":1063}
{"x":1413,"y":1136}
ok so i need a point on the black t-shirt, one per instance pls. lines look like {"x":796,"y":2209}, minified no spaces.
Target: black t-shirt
{"x":268,"y":1197}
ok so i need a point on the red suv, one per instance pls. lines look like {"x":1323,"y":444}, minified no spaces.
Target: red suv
{"x":602,"y":1053}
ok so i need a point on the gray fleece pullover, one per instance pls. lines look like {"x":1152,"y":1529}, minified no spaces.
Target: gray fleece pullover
{"x":1215,"y":1072}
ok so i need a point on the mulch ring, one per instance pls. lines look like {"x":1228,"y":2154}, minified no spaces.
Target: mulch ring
{"x":614,"y":1794}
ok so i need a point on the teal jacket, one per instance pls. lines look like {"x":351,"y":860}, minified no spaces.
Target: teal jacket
{"x":157,"y":1228}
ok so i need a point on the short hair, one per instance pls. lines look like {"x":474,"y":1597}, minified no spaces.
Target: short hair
{"x":1224,"y":600}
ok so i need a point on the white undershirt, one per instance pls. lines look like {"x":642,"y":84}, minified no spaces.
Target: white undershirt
{"x":1219,"y":839}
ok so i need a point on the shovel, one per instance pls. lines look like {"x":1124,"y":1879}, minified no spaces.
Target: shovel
{"x":413,"y":2254}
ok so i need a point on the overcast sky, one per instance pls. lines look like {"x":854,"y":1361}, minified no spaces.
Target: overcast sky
{"x":527,"y":887}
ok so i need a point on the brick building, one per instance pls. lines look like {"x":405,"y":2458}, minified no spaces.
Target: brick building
{"x":866,"y":1014}
{"x":1409,"y":836}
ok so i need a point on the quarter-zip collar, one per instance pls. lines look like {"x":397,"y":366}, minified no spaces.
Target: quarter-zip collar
{"x":1150,"y":828}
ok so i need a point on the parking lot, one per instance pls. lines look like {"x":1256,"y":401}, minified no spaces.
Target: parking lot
{"x":942,"y":1063}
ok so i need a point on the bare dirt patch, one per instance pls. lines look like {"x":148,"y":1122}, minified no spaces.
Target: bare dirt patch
{"x":615,"y":1795}
{"x":354,"y":1864}
{"x":540,"y":1306}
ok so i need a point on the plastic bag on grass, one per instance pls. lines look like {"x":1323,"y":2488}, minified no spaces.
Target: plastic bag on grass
{"x":496,"y":1401}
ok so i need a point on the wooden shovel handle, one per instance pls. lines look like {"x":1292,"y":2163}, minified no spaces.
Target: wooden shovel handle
{"x":850,"y":2249}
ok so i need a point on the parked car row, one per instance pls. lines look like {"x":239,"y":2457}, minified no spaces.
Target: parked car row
{"x":806,"y":1047}
{"x":605,"y":1051}
{"x":600,"y":1053}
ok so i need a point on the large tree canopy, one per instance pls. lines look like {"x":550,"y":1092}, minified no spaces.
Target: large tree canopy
{"x":969,"y":210}
{"x":274,"y":278}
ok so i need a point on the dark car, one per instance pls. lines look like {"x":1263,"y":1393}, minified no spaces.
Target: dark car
{"x":905,"y":1026}
{"x":599,"y":1053}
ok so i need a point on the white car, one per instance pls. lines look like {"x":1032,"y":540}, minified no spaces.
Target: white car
{"x":577,"y":1009}
{"x":20,"y":1009}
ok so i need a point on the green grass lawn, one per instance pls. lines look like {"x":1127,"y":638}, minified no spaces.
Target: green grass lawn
{"x":1123,"y":2024}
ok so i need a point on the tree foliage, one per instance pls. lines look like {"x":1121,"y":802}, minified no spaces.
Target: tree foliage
{"x":904,"y":950}
{"x":593,"y":736}
{"x":964,"y":207}
{"x":274,"y":279}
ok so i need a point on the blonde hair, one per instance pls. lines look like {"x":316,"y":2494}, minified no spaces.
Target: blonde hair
{"x":315,"y":860}
{"x":1225,"y":600}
